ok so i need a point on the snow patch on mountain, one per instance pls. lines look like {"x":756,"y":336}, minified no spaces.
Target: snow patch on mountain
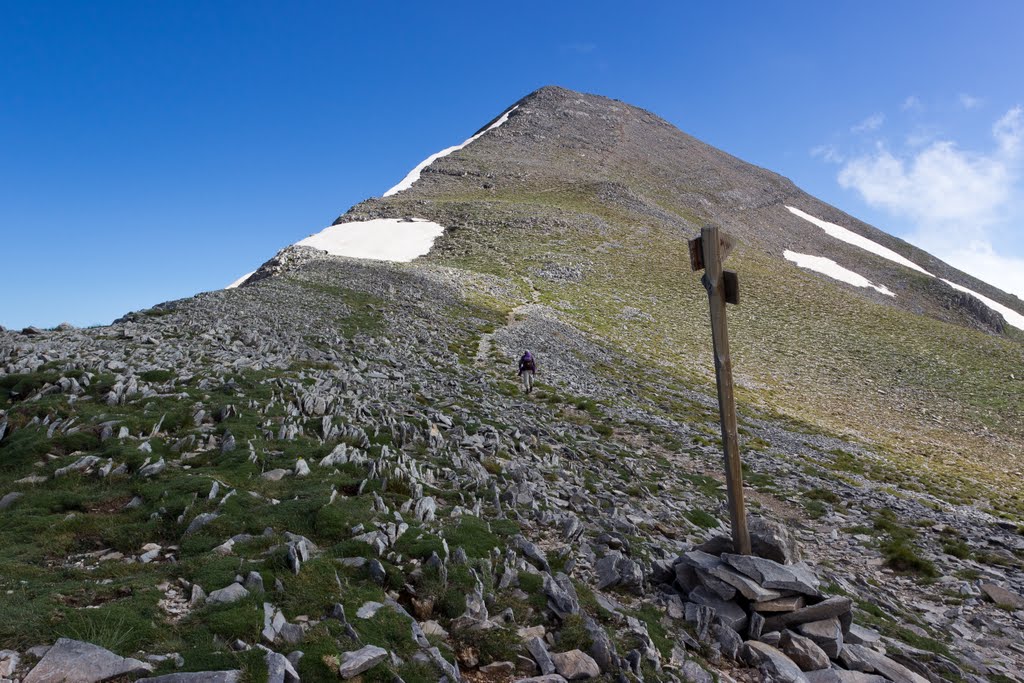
{"x":1011,"y":316}
{"x":414,"y":174}
{"x":826,"y":266}
{"x":850,"y":237}
{"x":380,"y":239}
{"x":240,"y":280}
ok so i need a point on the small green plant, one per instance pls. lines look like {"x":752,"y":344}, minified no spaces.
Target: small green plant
{"x":573,"y":634}
{"x":701,"y":518}
{"x":156,"y":376}
{"x":492,"y":645}
{"x":899,"y":549}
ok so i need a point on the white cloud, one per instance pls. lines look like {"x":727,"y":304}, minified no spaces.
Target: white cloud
{"x":1009,"y":130}
{"x":941,"y":183}
{"x":912,"y":103}
{"x":873,"y":122}
{"x":969,"y":101}
{"x":955,"y":198}
{"x":829,"y":153}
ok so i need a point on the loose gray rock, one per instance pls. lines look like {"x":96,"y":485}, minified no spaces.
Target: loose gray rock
{"x":80,"y":465}
{"x":8,"y":662}
{"x":859,"y":635}
{"x":731,"y":614}
{"x":562,"y":599}
{"x":74,"y":661}
{"x":199,"y":677}
{"x":357,"y":661}
{"x":772,"y":541}
{"x":827,"y":634}
{"x":771,"y":574}
{"x":501,"y":669}
{"x":535,"y":646}
{"x":843,"y":676}
{"x":280,"y":670}
{"x":200,"y":521}
{"x":10,"y":499}
{"x":772,"y":662}
{"x":729,"y":641}
{"x":532,"y":553}
{"x":231,"y":593}
{"x":881,"y":664}
{"x":804,"y":651}
{"x":368,"y":609}
{"x":692,"y":672}
{"x":152,"y":469}
{"x":275,"y":475}
{"x":835,"y":606}
{"x":575,"y":665}
{"x":997,"y":594}
{"x":253,"y":582}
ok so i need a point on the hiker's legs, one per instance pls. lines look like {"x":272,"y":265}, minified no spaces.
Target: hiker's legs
{"x":527,"y":377}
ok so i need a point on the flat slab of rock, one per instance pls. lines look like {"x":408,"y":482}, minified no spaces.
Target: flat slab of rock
{"x":365,"y":658}
{"x":749,"y":588}
{"x":773,"y":662}
{"x":804,"y":652}
{"x":769,"y":574}
{"x":72,"y":661}
{"x":275,"y":475}
{"x":731,"y":614}
{"x":547,"y":678}
{"x":575,"y":665}
{"x":535,"y":646}
{"x":199,"y":677}
{"x":997,"y":594}
{"x":827,"y":633}
{"x":835,"y":606}
{"x":10,"y":499}
{"x":368,"y":609}
{"x":790,"y":603}
{"x":842,"y":676}
{"x":860,"y":635}
{"x":880,"y":664}
{"x":232,"y":593}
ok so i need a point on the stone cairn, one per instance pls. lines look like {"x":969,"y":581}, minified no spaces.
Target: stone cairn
{"x":767,"y":610}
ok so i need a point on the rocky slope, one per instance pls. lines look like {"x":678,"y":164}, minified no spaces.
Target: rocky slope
{"x":331,"y":470}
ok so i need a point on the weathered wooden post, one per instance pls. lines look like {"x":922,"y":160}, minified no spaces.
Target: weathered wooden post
{"x":707,"y":252}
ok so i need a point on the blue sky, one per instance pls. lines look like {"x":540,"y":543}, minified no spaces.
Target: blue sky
{"x":149,"y":151}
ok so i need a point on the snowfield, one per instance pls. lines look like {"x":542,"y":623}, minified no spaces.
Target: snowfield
{"x":1011,"y":316}
{"x":850,"y":237}
{"x":414,"y":174}
{"x":380,"y":239}
{"x":825,"y":266}
{"x":240,"y":280}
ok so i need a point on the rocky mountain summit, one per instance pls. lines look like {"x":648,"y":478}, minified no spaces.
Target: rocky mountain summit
{"x":330,"y":472}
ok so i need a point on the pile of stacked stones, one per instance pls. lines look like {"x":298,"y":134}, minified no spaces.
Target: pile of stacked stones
{"x":773,"y":616}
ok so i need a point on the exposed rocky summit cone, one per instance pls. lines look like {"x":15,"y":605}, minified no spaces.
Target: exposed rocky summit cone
{"x":332,"y":471}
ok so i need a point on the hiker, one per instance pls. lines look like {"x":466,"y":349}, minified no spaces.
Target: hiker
{"x":527,"y":368}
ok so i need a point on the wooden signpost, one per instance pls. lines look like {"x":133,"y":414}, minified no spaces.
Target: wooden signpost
{"x":707,"y":253}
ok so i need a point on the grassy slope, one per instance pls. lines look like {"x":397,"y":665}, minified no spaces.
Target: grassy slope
{"x":942,"y":399}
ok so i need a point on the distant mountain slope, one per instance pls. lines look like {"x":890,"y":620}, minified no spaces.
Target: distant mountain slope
{"x":587,"y":204}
